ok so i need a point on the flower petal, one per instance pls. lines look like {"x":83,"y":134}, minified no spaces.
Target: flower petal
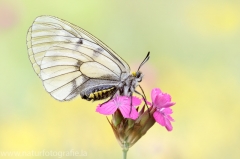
{"x":164,"y":120}
{"x":167,"y":111}
{"x":167,"y":97}
{"x":107,"y":108}
{"x":169,"y":118}
{"x":168,"y":104}
{"x":154,"y":93}
{"x":124,"y":100}
{"x":168,"y":125}
{"x":162,"y":101}
{"x":135,"y":101}
{"x":159,"y":118}
{"x":125,"y":110}
{"x":159,"y":101}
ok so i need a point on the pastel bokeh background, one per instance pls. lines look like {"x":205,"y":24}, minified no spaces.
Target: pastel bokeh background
{"x":195,"y":57}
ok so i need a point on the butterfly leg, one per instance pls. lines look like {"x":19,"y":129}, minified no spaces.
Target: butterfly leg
{"x":144,"y":98}
{"x":130,"y":104}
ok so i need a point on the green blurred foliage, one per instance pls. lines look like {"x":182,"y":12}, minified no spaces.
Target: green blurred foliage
{"x":195,"y":56}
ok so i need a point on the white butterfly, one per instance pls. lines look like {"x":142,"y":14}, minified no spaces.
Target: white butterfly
{"x":71,"y":61}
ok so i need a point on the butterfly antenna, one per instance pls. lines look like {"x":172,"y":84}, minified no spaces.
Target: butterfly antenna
{"x":144,"y":61}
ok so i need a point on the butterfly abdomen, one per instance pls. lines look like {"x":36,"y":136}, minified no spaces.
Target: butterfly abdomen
{"x":100,"y":94}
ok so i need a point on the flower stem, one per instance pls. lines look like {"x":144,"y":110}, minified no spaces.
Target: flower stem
{"x":125,"y":154}
{"x":125,"y":150}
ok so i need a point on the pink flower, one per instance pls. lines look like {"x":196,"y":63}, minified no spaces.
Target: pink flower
{"x":123,"y":103}
{"x":162,"y":102}
{"x":160,"y":99}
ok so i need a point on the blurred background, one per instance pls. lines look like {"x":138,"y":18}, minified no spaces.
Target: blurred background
{"x":195,"y":54}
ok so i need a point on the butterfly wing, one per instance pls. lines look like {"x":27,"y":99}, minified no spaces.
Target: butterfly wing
{"x":69,"y":60}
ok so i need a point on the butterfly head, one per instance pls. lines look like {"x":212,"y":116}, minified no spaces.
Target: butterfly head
{"x":138,"y":76}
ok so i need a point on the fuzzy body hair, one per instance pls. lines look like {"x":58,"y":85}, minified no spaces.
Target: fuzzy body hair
{"x":129,"y":84}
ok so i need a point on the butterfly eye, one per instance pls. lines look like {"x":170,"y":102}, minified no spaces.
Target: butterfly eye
{"x":138,"y":74}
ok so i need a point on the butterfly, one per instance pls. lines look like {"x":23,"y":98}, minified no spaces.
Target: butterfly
{"x":71,"y":62}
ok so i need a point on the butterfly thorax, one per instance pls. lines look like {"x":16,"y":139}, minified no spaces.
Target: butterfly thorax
{"x":130,"y":83}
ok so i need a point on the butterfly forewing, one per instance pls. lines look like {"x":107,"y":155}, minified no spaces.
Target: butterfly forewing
{"x":71,"y":61}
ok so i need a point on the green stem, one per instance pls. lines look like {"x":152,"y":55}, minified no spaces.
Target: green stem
{"x":125,"y":150}
{"x":125,"y":154}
